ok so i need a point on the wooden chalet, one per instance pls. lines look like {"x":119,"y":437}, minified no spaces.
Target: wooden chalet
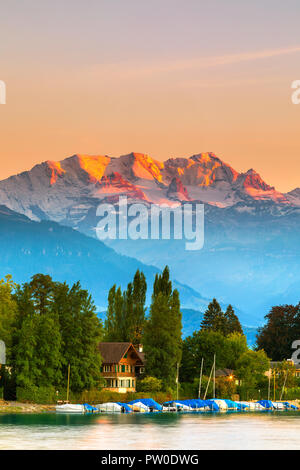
{"x":122,"y":364}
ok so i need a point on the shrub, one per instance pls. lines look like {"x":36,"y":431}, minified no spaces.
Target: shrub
{"x":39,"y":395}
{"x":150,"y":385}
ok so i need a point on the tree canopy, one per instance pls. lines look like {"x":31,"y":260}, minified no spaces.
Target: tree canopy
{"x":47,"y":326}
{"x":162,"y":336}
{"x":279,"y":332}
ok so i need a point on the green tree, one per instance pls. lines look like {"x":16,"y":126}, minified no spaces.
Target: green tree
{"x":25,"y":361}
{"x":48,"y":350}
{"x":237,"y":345}
{"x":250,"y":370}
{"x":81,"y":332}
{"x":232,"y":322}
{"x":8,"y":314}
{"x":57,"y":326}
{"x":110,"y":321}
{"x":162,"y":334}
{"x":149,"y":385}
{"x":277,"y":335}
{"x":205,"y":344}
{"x":125,"y":316}
{"x":139,"y":291}
{"x":214,"y":318}
{"x":38,"y":348}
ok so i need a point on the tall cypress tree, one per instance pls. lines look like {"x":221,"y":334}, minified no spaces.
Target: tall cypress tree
{"x":162,"y":336}
{"x":109,"y":325}
{"x":138,"y":307}
{"x":125,"y":316}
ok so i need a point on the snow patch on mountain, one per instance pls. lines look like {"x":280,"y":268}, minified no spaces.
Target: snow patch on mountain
{"x":69,"y":191}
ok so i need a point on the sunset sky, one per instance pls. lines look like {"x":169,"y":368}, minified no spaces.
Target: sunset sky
{"x":169,"y":78}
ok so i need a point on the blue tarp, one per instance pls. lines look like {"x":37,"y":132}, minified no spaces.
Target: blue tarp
{"x":125,"y":406}
{"x":147,"y":402}
{"x":89,"y":407}
{"x":213,"y":405}
{"x":266,"y":404}
{"x":194,"y":403}
{"x":288,"y":405}
{"x":235,"y":405}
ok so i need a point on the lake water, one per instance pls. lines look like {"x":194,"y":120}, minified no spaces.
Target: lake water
{"x":264,"y":430}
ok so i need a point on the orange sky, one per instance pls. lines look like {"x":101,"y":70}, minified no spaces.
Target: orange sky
{"x":168,"y":79}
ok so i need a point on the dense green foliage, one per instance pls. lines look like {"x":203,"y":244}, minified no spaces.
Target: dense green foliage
{"x":282,"y":328}
{"x":8,"y":313}
{"x":162,"y":336}
{"x":125,"y":318}
{"x":47,"y":326}
{"x":149,"y":384}
{"x":216,"y":320}
{"x":221,"y":335}
{"x":204,"y":344}
{"x":250,"y":369}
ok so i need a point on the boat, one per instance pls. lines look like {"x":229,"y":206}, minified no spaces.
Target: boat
{"x":177,"y":405}
{"x":221,"y":404}
{"x":69,"y":408}
{"x":252,"y":406}
{"x":147,"y":402}
{"x":278,"y":405}
{"x":139,"y":407}
{"x":114,"y":407}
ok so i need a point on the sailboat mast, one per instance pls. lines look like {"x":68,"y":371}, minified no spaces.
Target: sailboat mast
{"x":200,"y":379}
{"x":68,"y":386}
{"x":214,"y":391}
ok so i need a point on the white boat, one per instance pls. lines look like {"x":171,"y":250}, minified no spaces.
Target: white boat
{"x":109,"y":407}
{"x":278,"y":405}
{"x":221,"y":404}
{"x":169,"y":408}
{"x":140,"y":407}
{"x":252,"y":406}
{"x":69,"y":408}
{"x":182,"y":406}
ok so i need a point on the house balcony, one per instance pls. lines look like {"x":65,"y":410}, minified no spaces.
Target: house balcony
{"x":118,"y":374}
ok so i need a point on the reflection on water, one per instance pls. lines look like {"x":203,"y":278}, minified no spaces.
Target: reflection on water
{"x":265,"y":430}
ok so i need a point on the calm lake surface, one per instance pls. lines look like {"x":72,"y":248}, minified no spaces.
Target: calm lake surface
{"x":264,"y":430}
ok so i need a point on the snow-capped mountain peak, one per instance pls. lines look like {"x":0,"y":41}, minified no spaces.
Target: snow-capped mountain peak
{"x":65,"y":191}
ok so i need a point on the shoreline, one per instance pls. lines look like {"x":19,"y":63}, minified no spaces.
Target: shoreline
{"x":24,"y":408}
{"x":14,"y":407}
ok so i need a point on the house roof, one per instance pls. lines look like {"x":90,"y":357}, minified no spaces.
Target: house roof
{"x":224,"y":372}
{"x":112,"y":353}
{"x":142,"y":356}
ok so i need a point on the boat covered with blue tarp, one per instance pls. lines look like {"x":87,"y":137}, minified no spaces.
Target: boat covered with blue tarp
{"x":266,"y":404}
{"x":89,"y":408}
{"x":152,"y":404}
{"x":233,"y":405}
{"x":125,"y":406}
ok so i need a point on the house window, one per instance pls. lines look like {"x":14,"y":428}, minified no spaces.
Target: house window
{"x":123,"y":368}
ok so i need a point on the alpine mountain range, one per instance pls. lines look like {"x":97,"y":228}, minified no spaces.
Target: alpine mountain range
{"x":251,"y":252}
